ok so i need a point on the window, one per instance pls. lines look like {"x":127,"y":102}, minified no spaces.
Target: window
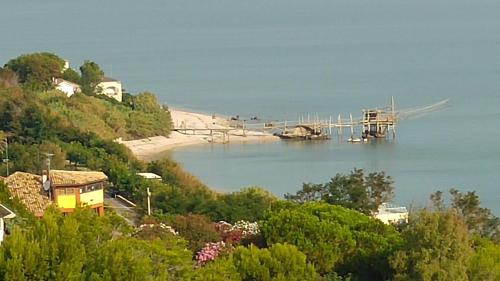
{"x":65,"y":191}
{"x":92,"y":187}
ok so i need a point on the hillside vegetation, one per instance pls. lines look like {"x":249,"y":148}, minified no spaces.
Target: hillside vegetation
{"x":108,"y":119}
{"x":27,"y":86}
{"x":323,"y":232}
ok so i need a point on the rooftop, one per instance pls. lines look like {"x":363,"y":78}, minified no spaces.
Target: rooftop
{"x":59,"y":81}
{"x":6,"y":213}
{"x":386,"y":208}
{"x":28,"y":189}
{"x":68,"y":178}
{"x":150,"y":176}
{"x":108,"y":79}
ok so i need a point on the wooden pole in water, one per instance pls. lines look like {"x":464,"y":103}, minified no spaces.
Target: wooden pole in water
{"x":340,"y":126}
{"x":330,"y":126}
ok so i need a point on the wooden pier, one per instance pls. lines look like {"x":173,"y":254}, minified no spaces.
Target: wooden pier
{"x":373,"y":123}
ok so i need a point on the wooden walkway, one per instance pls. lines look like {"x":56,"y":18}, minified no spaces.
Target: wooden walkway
{"x":375,"y":122}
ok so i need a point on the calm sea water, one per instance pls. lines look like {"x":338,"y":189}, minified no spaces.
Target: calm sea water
{"x":285,"y":58}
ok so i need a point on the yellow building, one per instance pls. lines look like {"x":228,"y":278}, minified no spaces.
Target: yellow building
{"x":76,"y":188}
{"x":68,"y":190}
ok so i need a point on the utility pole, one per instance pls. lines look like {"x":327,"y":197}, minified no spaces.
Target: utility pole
{"x":6,"y":160}
{"x":149,"y":202}
{"x":49,"y":156}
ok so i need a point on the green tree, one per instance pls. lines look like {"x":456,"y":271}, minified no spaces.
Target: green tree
{"x":485,"y":263}
{"x":59,"y":247}
{"x":249,"y":204}
{"x":197,"y":229}
{"x":436,"y":247}
{"x":356,"y":191}
{"x":220,"y":269}
{"x":92,"y":75}
{"x":334,"y":238}
{"x":50,"y":250}
{"x":35,"y":71}
{"x":77,"y":153}
{"x":146,"y":102}
{"x":133,"y":259}
{"x":71,"y":75}
{"x":25,"y":158}
{"x":34,"y":127}
{"x":58,"y":159}
{"x":279,"y":262}
{"x":172,"y":173}
{"x":479,"y":220}
{"x":8,"y":78}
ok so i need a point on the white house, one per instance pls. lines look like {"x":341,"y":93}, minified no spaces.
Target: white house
{"x":390,"y":214}
{"x":67,"y":87}
{"x":5,"y":213}
{"x":111,"y":88}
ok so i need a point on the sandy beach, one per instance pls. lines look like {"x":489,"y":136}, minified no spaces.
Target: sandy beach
{"x":203,"y":123}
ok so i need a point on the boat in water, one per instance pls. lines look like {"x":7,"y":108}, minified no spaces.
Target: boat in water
{"x":303,"y":132}
{"x":354,"y":140}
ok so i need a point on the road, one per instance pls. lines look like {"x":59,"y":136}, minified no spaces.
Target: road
{"x":122,"y":209}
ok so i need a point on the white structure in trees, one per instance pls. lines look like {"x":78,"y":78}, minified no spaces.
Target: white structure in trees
{"x":390,"y":214}
{"x":111,"y":88}
{"x":67,"y":87}
{"x":150,"y":176}
{"x":5,"y":213}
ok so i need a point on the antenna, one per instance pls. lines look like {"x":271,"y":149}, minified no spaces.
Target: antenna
{"x":49,"y":156}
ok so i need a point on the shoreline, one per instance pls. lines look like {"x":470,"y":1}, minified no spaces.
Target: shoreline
{"x":149,"y":147}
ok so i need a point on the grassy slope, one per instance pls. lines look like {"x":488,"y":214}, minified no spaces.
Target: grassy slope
{"x":107,"y":119}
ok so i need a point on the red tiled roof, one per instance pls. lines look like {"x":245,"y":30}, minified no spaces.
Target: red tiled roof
{"x":69,"y":178}
{"x":28,"y":189}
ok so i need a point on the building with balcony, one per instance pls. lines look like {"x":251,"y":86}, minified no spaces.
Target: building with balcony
{"x":76,"y":188}
{"x":66,"y":189}
{"x":111,"y":88}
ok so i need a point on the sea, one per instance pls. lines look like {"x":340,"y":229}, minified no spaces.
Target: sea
{"x":282,"y":59}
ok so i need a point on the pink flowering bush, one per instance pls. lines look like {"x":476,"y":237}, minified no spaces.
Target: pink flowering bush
{"x":210,"y":252}
{"x":231,"y":235}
